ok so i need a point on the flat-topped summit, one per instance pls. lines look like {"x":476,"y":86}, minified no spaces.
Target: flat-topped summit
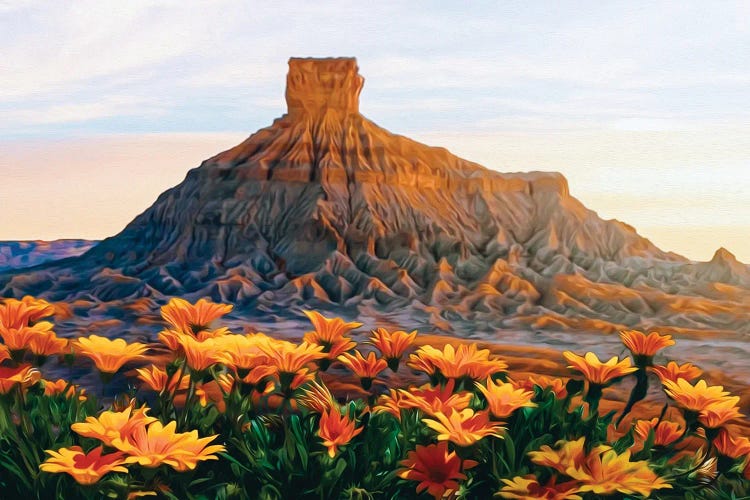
{"x":325,"y":209}
{"x":318,"y":85}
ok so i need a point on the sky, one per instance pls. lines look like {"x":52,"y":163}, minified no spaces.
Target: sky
{"x":643,"y":106}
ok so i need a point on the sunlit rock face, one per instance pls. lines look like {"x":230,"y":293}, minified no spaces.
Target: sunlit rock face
{"x":324,"y":209}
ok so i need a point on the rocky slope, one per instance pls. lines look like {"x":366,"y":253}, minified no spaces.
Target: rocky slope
{"x":20,"y":254}
{"x":324,"y":209}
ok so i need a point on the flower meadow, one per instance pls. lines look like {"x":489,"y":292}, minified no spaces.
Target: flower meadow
{"x":227,"y":415}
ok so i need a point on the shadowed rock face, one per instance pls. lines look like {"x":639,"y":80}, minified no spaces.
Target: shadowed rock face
{"x":21,"y":254}
{"x":324,"y":209}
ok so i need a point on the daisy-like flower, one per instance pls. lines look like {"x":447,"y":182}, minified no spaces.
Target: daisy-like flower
{"x":201,"y":355}
{"x":85,"y":468}
{"x":109,"y":355}
{"x":365,"y":368}
{"x":463,"y":428}
{"x":555,"y":385}
{"x":160,"y":444}
{"x":567,"y":455}
{"x":597,"y":372}
{"x":23,"y":376}
{"x":528,"y":487}
{"x":330,"y":333}
{"x":15,"y":314}
{"x":390,"y":403}
{"x":730,"y":445}
{"x":336,"y":430}
{"x":696,"y":397}
{"x":18,"y":340}
{"x":47,"y":343}
{"x":665,"y":432}
{"x":719,"y":413}
{"x":673,"y":372}
{"x":316,"y":397}
{"x":465,"y":361}
{"x":392,"y":345}
{"x":434,"y":399}
{"x":604,"y":472}
{"x":290,"y":361}
{"x":110,"y":426}
{"x":436,"y":470}
{"x":4,"y":353}
{"x":644,"y":346}
{"x":158,"y":380}
{"x":503,"y":399}
{"x":243,"y":352}
{"x":191,"y":319}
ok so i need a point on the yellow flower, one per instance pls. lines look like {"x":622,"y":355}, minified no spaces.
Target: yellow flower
{"x":694,"y":397}
{"x":160,"y":444}
{"x":201,"y":355}
{"x":641,"y":344}
{"x":336,"y":430}
{"x":434,"y":399}
{"x":290,"y":358}
{"x":243,"y":352}
{"x":597,"y":372}
{"x":85,"y":468}
{"x":529,"y":488}
{"x":437,"y":470}
{"x":192,"y":319}
{"x":463,"y":428}
{"x":57,"y":387}
{"x":672,"y":371}
{"x":569,"y":454}
{"x":503,"y":399}
{"x":316,"y":397}
{"x":109,"y":355}
{"x":110,"y":426}
{"x":604,"y":472}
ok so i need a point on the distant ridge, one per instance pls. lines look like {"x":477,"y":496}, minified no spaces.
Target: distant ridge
{"x":324,"y":209}
{"x":26,"y":253}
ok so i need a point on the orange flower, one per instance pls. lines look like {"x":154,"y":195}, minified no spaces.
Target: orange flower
{"x":336,"y":430}
{"x":392,"y":345}
{"x":85,"y":468}
{"x":674,"y":372}
{"x":15,"y":314}
{"x":329,"y":329}
{"x":528,"y":488}
{"x":719,"y":413}
{"x":434,"y":399}
{"x":365,"y":368}
{"x":22,"y":375}
{"x":160,"y":444}
{"x":503,"y":399}
{"x":109,"y":355}
{"x":243,"y":352}
{"x":604,"y":472}
{"x":113,"y":425}
{"x":463,"y":428}
{"x":289,"y":358}
{"x":465,"y":361}
{"x":19,"y":339}
{"x":437,"y":471}
{"x":192,"y":319}
{"x":4,"y":353}
{"x":665,"y":432}
{"x":57,"y":387}
{"x":555,"y":385}
{"x":694,"y":397}
{"x":158,"y":380}
{"x":317,"y":397}
{"x":201,"y":355}
{"x":47,"y":344}
{"x":390,"y":403}
{"x":568,"y":455}
{"x":644,"y":345}
{"x":730,"y":445}
{"x":595,"y":371}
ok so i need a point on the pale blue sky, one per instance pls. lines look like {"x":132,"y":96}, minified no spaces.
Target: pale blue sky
{"x":644,"y":106}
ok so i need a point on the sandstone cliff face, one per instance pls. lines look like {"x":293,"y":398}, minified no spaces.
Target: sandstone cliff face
{"x":325,"y":209}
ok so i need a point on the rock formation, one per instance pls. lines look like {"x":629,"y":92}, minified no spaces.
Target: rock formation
{"x":324,"y":209}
